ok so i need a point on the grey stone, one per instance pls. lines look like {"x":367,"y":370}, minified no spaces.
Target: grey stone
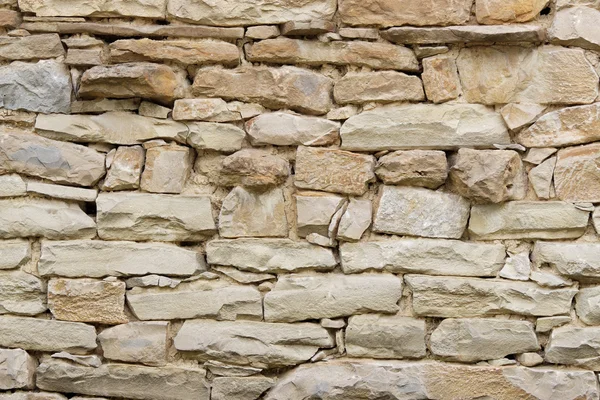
{"x":587,"y":305}
{"x":240,"y":388}
{"x":355,"y":220}
{"x":314,"y":213}
{"x":62,"y":192}
{"x":572,"y":345}
{"x":465,"y":34}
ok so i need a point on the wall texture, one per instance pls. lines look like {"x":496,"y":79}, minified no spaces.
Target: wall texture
{"x":299,"y":199}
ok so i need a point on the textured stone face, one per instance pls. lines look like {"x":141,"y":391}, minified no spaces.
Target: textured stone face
{"x":587,"y":305}
{"x":17,"y":369}
{"x":314,"y":213}
{"x":576,"y":27}
{"x":578,"y":261}
{"x":125,"y":169}
{"x":166,"y":168}
{"x":440,"y":79}
{"x":503,"y":11}
{"x":465,"y":34}
{"x":12,"y":185}
{"x":576,"y":175}
{"x":540,"y":178}
{"x":31,"y":47}
{"x":21,"y":293}
{"x":284,"y":129}
{"x":138,"y":342}
{"x":101,"y":8}
{"x":212,"y":136}
{"x":14,"y":253}
{"x":426,"y":168}
{"x":355,"y":220}
{"x":254,"y":168}
{"x":572,"y":345}
{"x":240,"y":388}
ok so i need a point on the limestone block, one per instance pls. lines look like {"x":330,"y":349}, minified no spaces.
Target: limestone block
{"x":579,"y":261}
{"x":440,"y":78}
{"x":381,"y":87}
{"x":254,"y":168}
{"x":240,"y":388}
{"x":12,"y":185}
{"x":355,"y":220}
{"x":572,"y":345}
{"x":587,"y":305}
{"x":125,"y":169}
{"x":137,"y":342}
{"x":576,"y":176}
{"x":519,"y":115}
{"x":576,"y":27}
{"x":213,"y":136}
{"x":17,"y":369}
{"x":21,"y":293}
{"x":14,"y":253}
{"x":33,"y":47}
{"x":285,"y":129}
{"x":507,"y":11}
{"x":102,"y":8}
{"x":166,"y":168}
{"x":541,"y":179}
{"x":213,"y":110}
{"x":314,"y":213}
{"x":62,"y":192}
{"x":463,"y":34}
{"x":426,"y":168}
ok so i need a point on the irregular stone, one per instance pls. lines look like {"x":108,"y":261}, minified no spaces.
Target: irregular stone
{"x":142,"y":216}
{"x":62,"y":192}
{"x":198,"y":299}
{"x":215,"y":110}
{"x":440,"y":79}
{"x":541,"y":178}
{"x":314,"y":213}
{"x":470,"y":340}
{"x":254,"y":168}
{"x":342,"y":113}
{"x":465,"y":34}
{"x":420,"y":212}
{"x":149,"y":109}
{"x":152,"y":280}
{"x":587,"y":305}
{"x":21,"y":293}
{"x":576,"y":27}
{"x":579,"y":261}
{"x":18,"y":117}
{"x":308,"y":28}
{"x":576,"y":175}
{"x":529,"y":359}
{"x":355,"y":220}
{"x":14,"y":253}
{"x":517,"y":267}
{"x":88,"y":361}
{"x":269,"y":255}
{"x":453,"y":297}
{"x":382,"y":87}
{"x":488,"y":176}
{"x":549,"y":279}
{"x":125,"y":169}
{"x":17,"y":369}
{"x":572,"y":345}
{"x":518,"y":115}
{"x":537,"y":155}
{"x":285,"y":129}
{"x":527,"y":220}
{"x":146,"y":80}
{"x":512,"y":74}
{"x":382,"y":336}
{"x":262,"y":32}
{"x":222,"y":369}
{"x":130,"y":381}
{"x":333,"y":170}
{"x":359,"y":33}
{"x":365,"y":54}
{"x":242,"y":276}
{"x":42,"y":87}
{"x":246,"y":213}
{"x":240,"y":388}
{"x":137,"y":342}
{"x":166,"y":168}
{"x":51,"y":219}
{"x":103,"y":8}
{"x":46,"y":335}
{"x":426,"y":256}
{"x":87,"y":57}
{"x":393,"y":13}
{"x":424,"y":126}
{"x":100,"y":106}
{"x":33,"y":47}
{"x":426,"y":168}
{"x":258,"y":344}
{"x":212,"y":136}
{"x":493,"y":12}
{"x":546,"y":324}
{"x":302,"y":297}
{"x":298,"y":89}
{"x":12,"y":185}
{"x":560,"y":4}
{"x":10,"y":18}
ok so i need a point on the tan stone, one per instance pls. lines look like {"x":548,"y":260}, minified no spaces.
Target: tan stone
{"x":14,"y":253}
{"x":576,"y":27}
{"x":546,"y":324}
{"x":21,"y":293}
{"x":285,"y":129}
{"x":215,"y":110}
{"x":87,"y":57}
{"x":219,"y":368}
{"x":507,"y":11}
{"x":518,"y":115}
{"x":166,"y":168}
{"x":365,"y":54}
{"x":32,"y":47}
{"x":149,"y":109}
{"x":579,"y":261}
{"x":440,"y":78}
{"x":12,"y":185}
{"x":243,"y":276}
{"x":426,"y":168}
{"x":89,"y":361}
{"x":100,"y":106}
{"x":125,"y":169}
{"x":359,"y":33}
{"x":587,"y":305}
{"x":240,"y":388}
{"x":382,"y":87}
{"x":308,"y":28}
{"x":262,"y":32}
{"x":285,"y":87}
{"x":537,"y":155}
{"x":101,"y":8}
{"x":254,"y":168}
{"x":541,"y":179}
{"x":576,"y":176}
{"x":17,"y":369}
{"x":138,"y":342}
{"x":10,"y":18}
{"x":572,"y":345}
{"x":62,"y":192}
{"x":213,"y":136}
{"x":333,"y":170}
{"x":314,"y":213}
{"x":355,"y":220}
{"x":488,"y":176}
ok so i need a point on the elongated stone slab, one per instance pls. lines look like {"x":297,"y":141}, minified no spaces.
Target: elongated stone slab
{"x":573,"y":345}
{"x":580,"y":261}
{"x":21,"y":293}
{"x":284,"y":129}
{"x":31,"y":47}
{"x":62,"y":192}
{"x":14,"y":253}
{"x":98,"y":8}
{"x":466,"y":34}
{"x":425,"y":256}
{"x":378,"y":86}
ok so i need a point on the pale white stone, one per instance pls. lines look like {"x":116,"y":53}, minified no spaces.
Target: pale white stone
{"x":14,"y":253}
{"x":529,"y":359}
{"x":546,"y":324}
{"x":587,"y":305}
{"x":517,"y":267}
{"x":21,"y":293}
{"x":62,"y":192}
{"x":549,"y":279}
{"x":243,"y":276}
{"x":88,"y":361}
{"x":17,"y":369}
{"x":572,"y":345}
{"x":137,"y":342}
{"x":579,"y":261}
{"x":541,"y":178}
{"x":355,"y":220}
{"x":12,"y":185}
{"x":285,"y":129}
{"x":537,"y":155}
{"x":518,"y":115}
{"x":166,"y":168}
{"x":576,"y":26}
{"x":314,"y":213}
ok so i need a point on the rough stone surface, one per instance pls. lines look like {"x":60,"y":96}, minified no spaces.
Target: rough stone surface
{"x":138,"y":342}
{"x":574,"y":260}
{"x":166,"y":168}
{"x":21,"y":293}
{"x":12,"y":185}
{"x":464,"y":34}
{"x":576,"y":27}
{"x":440,"y":79}
{"x":587,"y":305}
{"x":426,"y":168}
{"x":381,"y":87}
{"x":355,"y":220}
{"x":62,"y":192}
{"x":14,"y":253}
{"x":240,"y":388}
{"x":254,"y":168}
{"x":31,"y":47}
{"x":540,"y":178}
{"x":125,"y":169}
{"x":102,"y":8}
{"x":213,"y":136}
{"x":214,"y":110}
{"x":506,"y":11}
{"x":17,"y":369}
{"x":576,"y":175}
{"x":519,"y":115}
{"x":574,"y":346}
{"x":314,"y":213}
{"x":284,"y":129}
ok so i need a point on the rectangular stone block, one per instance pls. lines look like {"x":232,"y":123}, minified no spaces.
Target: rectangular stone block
{"x":379,"y":86}
{"x":21,"y":293}
{"x":32,"y":47}
{"x":579,"y":261}
{"x":136,"y":342}
{"x":62,"y":192}
{"x":14,"y":253}
{"x":466,"y":34}
{"x":98,"y":8}
{"x":572,"y":345}
{"x":17,"y":369}
{"x":286,"y":129}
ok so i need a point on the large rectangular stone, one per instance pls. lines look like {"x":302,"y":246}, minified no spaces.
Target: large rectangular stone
{"x":98,"y":8}
{"x":31,"y":47}
{"x":21,"y":293}
{"x":452,"y":297}
{"x":424,"y":256}
{"x":466,"y":34}
{"x":17,"y":369}
{"x":377,"y":86}
{"x":580,"y":261}
{"x":572,"y":345}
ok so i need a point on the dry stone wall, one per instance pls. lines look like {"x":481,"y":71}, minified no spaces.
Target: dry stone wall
{"x":299,"y":199}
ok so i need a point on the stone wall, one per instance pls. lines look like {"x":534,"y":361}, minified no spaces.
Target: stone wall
{"x":299,"y":199}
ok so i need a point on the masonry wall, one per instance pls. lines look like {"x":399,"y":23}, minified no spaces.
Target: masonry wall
{"x":299,"y":199}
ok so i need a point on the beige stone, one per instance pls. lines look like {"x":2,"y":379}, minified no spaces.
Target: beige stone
{"x":245,"y":213}
{"x":359,"y":33}
{"x":262,"y":32}
{"x":541,"y":179}
{"x":572,"y":345}
{"x":154,"y":280}
{"x":138,"y":342}
{"x":12,"y":185}
{"x":519,"y":115}
{"x":62,"y":192}
{"x":424,"y":126}
{"x":537,"y":155}
{"x":546,"y":324}
{"x":469,"y":340}
{"x":299,"y":89}
{"x":213,"y":136}
{"x":366,"y":54}
{"x":579,"y":261}
{"x":240,"y":388}
{"x":52,"y":219}
{"x":142,"y":216}
{"x":527,"y":220}
{"x":89,"y":361}
{"x":453,"y":297}
{"x":87,"y":57}
{"x":308,"y":28}
{"x":355,"y":220}
{"x":58,"y":162}
{"x":101,"y":8}
{"x":440,"y":78}
{"x":333,"y":170}
{"x":254,"y":168}
{"x":517,"y":267}
{"x":166,"y":168}
{"x":285,"y":129}
{"x":87,"y":300}
{"x":420,"y":212}
{"x":46,"y":335}
{"x":124,"y":380}
{"x":17,"y":369}
{"x":269,"y":255}
{"x":426,"y":168}
{"x":243,"y":276}
{"x":426,"y":256}
{"x":302,"y":297}
{"x":21,"y":293}
{"x":219,"y":368}
{"x":488,"y":176}
{"x":100,"y":106}
{"x":576,"y":27}
{"x":587,"y":305}
{"x":529,"y":359}
{"x":576,"y":176}
{"x":14,"y":253}
{"x":10,"y":18}
{"x":36,"y":396}
{"x":17,"y":117}
{"x":256,"y":344}
{"x":314,"y":213}
{"x":506,"y":11}
{"x":214,"y":110}
{"x":381,"y":87}
{"x":149,"y":109}
{"x":33,"y":47}
{"x":125,"y":169}
{"x":462,"y":34}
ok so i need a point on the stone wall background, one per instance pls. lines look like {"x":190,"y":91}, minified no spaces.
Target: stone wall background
{"x":299,"y":199}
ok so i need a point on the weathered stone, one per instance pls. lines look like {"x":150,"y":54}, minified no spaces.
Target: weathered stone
{"x":102,"y":8}
{"x":12,"y":185}
{"x":452,"y":297}
{"x":394,"y":13}
{"x":587,"y":305}
{"x":149,"y":109}
{"x":138,"y":342}
{"x":18,"y":117}
{"x":32,"y":47}
{"x":246,"y":214}
{"x":576,"y":176}
{"x":527,"y":220}
{"x":355,"y":220}
{"x":130,"y":381}
{"x":546,"y":324}
{"x":152,"y":280}
{"x":17,"y":369}
{"x":100,"y":106}
{"x":420,"y":212}
{"x":488,"y":176}
{"x":366,"y":54}
{"x":125,"y":169}
{"x":512,"y":74}
{"x":262,"y":32}
{"x":46,"y":335}
{"x":506,"y":11}
{"x":426,"y":168}
{"x":424,"y":126}
{"x":353,"y":379}
{"x":213,"y":136}
{"x":440,"y":78}
{"x":464,"y":34}
{"x":574,"y":346}
{"x":215,"y":110}
{"x":541,"y":179}
{"x":548,"y":279}
{"x":518,"y":115}
{"x":537,"y":155}
{"x":333,"y":170}
{"x":87,"y":57}
{"x":359,"y":33}
{"x":517,"y":267}
{"x":308,"y":28}
{"x":579,"y":261}
{"x":285,"y":87}
{"x":146,"y":80}
{"x":62,"y":192}
{"x":14,"y":253}
{"x":52,"y":219}
{"x":285,"y":129}
{"x":529,"y":359}
{"x":43,"y":87}
{"x":9,"y":18}
{"x":254,"y":168}
{"x":87,"y":300}
{"x":21,"y":293}
{"x":342,"y":113}
{"x":222,"y":369}
{"x":576,"y":27}
{"x":36,"y":396}
{"x":564,"y":127}
{"x":258,"y":344}
{"x":302,"y":297}
{"x":382,"y":336}
{"x":469,"y":340}
{"x":269,"y":255}
{"x":198,"y":299}
{"x":166,"y":168}
{"x":141,"y":216}
{"x":240,"y":388}
{"x":243,"y":276}
{"x":426,"y":256}
{"x":382,"y":87}
{"x":314,"y":213}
